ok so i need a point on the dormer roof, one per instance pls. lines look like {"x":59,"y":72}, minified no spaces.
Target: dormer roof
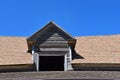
{"x":50,"y":29}
{"x":46,"y":27}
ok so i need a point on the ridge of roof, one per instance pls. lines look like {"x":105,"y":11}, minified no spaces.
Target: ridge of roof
{"x":99,"y":35}
{"x":74,"y":36}
{"x":13,"y":37}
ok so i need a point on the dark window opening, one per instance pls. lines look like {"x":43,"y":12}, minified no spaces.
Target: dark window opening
{"x":51,"y":63}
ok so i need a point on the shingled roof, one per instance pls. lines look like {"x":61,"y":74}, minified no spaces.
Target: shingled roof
{"x":92,"y":49}
{"x":98,"y":49}
{"x":13,"y":50}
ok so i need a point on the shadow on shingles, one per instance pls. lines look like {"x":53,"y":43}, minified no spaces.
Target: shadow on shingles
{"x":75,"y":55}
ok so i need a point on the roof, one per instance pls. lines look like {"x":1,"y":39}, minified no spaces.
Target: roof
{"x":13,"y":50}
{"x":91,"y":49}
{"x":45,"y":29}
{"x":98,"y":49}
{"x":48,"y":31}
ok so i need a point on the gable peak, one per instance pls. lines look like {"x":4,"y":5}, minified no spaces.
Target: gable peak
{"x":51,"y":24}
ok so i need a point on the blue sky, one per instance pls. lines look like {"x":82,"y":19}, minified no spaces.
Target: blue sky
{"x":77,"y":17}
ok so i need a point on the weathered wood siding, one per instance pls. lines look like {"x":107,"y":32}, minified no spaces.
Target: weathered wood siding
{"x":52,"y":40}
{"x":53,"y":43}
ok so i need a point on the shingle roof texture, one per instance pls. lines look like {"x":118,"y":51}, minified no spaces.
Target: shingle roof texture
{"x":92,"y":49}
{"x":98,"y":49}
{"x":13,"y":50}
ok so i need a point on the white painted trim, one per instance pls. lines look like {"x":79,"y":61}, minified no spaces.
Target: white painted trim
{"x":70,"y":53}
{"x":37,"y":66}
{"x":36,"y":60}
{"x":65,"y":62}
{"x":33,"y":52}
{"x":54,"y":49}
{"x":69,"y":59}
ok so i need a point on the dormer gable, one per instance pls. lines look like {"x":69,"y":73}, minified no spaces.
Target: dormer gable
{"x":50,"y":33}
